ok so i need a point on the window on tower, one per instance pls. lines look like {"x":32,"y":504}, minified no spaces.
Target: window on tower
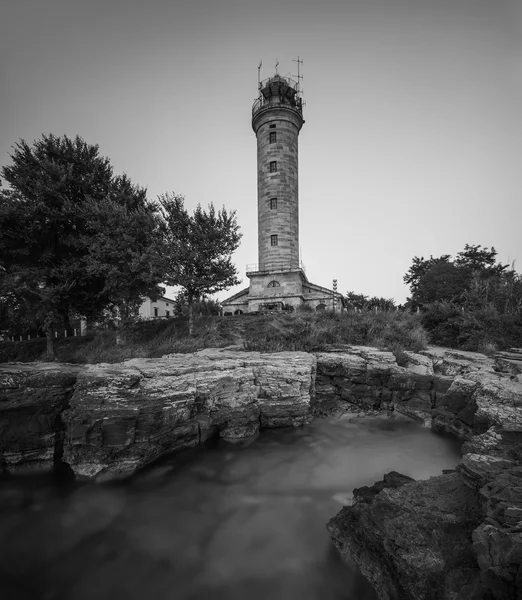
{"x":272,"y":126}
{"x":273,"y":137}
{"x":273,"y":240}
{"x":273,"y":203}
{"x":273,"y":166}
{"x":274,"y":283}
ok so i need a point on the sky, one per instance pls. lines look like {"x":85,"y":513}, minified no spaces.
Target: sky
{"x":412,"y":144}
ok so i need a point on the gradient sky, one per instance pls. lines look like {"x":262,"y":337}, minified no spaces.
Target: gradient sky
{"x":413,"y":137}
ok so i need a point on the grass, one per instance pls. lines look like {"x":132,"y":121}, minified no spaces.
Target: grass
{"x":393,"y":331}
{"x":303,"y":331}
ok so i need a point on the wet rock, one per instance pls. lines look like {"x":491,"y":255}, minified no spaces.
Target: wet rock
{"x":411,"y":538}
{"x":32,"y":398}
{"x":457,"y":535}
{"x":107,"y":421}
{"x":371,"y":378}
{"x":392,"y":480}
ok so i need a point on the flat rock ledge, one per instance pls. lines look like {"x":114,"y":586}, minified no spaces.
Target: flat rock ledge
{"x":107,"y":421}
{"x":457,"y":536}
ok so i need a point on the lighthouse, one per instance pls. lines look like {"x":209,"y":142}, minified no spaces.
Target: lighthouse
{"x":277,"y":118}
{"x":278,"y":280}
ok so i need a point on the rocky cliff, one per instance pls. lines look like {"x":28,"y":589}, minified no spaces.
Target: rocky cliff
{"x":452,"y":537}
{"x":110,"y":420}
{"x":455,"y":536}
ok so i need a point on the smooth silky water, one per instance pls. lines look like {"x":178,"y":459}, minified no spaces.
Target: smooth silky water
{"x":236,"y":521}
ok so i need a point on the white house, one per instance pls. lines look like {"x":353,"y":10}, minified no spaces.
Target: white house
{"x":155,"y":309}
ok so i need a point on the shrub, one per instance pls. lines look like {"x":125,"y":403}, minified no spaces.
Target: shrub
{"x":451,"y":325}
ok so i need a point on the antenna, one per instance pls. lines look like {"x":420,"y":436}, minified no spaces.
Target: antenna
{"x":259,"y":75}
{"x":299,"y":62}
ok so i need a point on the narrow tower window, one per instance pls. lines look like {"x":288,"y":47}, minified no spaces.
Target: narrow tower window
{"x":273,"y":203}
{"x":274,"y":283}
{"x":273,"y":137}
{"x":273,"y":240}
{"x":272,"y":126}
{"x":273,"y":166}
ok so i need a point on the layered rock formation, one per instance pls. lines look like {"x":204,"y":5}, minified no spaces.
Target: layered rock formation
{"x":459,"y":535}
{"x":109,"y":420}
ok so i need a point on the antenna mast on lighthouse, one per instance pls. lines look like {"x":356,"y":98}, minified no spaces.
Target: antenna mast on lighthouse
{"x":299,"y":62}
{"x":259,"y":76}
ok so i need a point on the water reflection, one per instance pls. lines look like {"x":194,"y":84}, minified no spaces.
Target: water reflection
{"x":231,"y":522}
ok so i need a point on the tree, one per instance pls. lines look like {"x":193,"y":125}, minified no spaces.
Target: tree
{"x":477,"y":258}
{"x":416,"y":274}
{"x":469,"y":279}
{"x":471,"y":302}
{"x":125,"y":254}
{"x":360,"y":301}
{"x":203,"y":306}
{"x":198,"y":249}
{"x":52,"y":260}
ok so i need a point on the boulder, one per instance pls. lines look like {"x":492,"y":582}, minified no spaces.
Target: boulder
{"x":411,"y":538}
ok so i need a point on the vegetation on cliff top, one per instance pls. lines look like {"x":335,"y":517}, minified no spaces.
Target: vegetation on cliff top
{"x":305,"y":331}
{"x":471,"y":302}
{"x":79,"y":241}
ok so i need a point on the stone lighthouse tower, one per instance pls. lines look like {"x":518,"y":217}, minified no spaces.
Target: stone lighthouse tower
{"x":277,"y":118}
{"x":278,"y":281}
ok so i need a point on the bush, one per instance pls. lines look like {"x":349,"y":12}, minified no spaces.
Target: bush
{"x":479,"y":329}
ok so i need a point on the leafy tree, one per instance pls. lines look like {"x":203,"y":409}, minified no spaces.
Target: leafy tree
{"x":381,"y":303}
{"x":471,"y":302}
{"x":204,"y":306}
{"x":125,"y":254}
{"x":198,"y":249}
{"x":48,"y":219}
{"x":477,"y":258}
{"x":360,"y":301}
{"x":416,"y":274}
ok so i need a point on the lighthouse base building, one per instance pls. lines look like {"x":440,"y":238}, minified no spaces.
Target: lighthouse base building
{"x":278,"y":281}
{"x":274,"y":290}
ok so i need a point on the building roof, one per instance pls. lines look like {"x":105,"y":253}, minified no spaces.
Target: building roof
{"x":243,"y":292}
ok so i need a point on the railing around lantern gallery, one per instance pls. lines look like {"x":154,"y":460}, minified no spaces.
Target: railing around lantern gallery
{"x":275,"y":101}
{"x":275,"y":267}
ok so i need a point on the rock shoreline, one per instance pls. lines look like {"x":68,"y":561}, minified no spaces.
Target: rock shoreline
{"x":107,"y":421}
{"x":458,"y":535}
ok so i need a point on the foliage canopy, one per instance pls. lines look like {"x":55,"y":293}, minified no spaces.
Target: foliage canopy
{"x":63,"y":223}
{"x":198,"y":249}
